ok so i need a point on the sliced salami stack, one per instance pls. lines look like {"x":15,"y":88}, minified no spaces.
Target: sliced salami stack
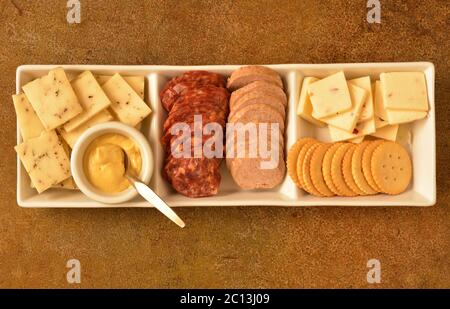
{"x":259,"y":99}
{"x":195,"y":93}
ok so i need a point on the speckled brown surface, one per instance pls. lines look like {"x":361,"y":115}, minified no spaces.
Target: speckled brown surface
{"x":224,"y":247}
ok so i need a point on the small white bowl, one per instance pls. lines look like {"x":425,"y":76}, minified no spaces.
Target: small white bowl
{"x":76,"y":161}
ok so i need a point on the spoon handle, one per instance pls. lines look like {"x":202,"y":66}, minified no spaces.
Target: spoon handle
{"x":156,"y":201}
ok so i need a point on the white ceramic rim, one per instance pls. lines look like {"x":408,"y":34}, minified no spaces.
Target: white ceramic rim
{"x":76,"y":161}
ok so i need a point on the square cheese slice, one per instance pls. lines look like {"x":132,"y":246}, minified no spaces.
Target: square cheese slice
{"x":304,"y":108}
{"x":29,"y":124}
{"x":91,"y":97}
{"x":330,"y":96}
{"x":361,"y":129}
{"x":126,"y":104}
{"x":393,"y":116}
{"x":404,"y":90}
{"x":379,"y":111}
{"x":72,"y":136}
{"x":53,"y":99}
{"x":367,"y":108}
{"x":389,"y":132}
{"x":135,"y":82}
{"x":45,"y":160}
{"x":347,"y":120}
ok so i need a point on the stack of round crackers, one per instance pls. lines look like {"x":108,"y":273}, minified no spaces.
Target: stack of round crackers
{"x":347,"y":169}
{"x":258,"y":98}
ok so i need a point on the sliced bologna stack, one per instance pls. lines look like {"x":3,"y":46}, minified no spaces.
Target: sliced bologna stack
{"x":193,"y":93}
{"x":258,"y":97}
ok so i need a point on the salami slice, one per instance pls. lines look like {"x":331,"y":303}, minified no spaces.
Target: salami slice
{"x":192,"y":79}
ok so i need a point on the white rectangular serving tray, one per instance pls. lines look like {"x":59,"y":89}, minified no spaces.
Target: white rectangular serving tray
{"x":421,"y":192}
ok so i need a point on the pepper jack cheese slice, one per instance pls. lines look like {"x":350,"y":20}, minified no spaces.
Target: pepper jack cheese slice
{"x":380,"y":112}
{"x":361,"y":129}
{"x":135,"y":82}
{"x":330,"y":96}
{"x":72,"y":136}
{"x":91,"y":97}
{"x":348,"y":119}
{"x":389,"y":132}
{"x":304,"y":108}
{"x":393,"y":116}
{"x":126,"y":104}
{"x":29,"y":123}
{"x":45,"y":160}
{"x":404,"y":90}
{"x":53,"y":99}
{"x":367,"y":108}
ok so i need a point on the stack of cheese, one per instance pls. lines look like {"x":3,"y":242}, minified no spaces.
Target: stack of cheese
{"x":52,"y":107}
{"x":356,"y":108}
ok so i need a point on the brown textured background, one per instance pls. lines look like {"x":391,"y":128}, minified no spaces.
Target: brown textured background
{"x":224,"y":247}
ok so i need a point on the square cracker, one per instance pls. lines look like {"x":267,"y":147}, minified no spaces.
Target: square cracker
{"x":53,"y":99}
{"x":45,"y":160}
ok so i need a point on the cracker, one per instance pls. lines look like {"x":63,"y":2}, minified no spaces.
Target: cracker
{"x":326,"y":167}
{"x":391,"y":167}
{"x":292,"y":158}
{"x":347,"y":171}
{"x":306,"y":167}
{"x":336,"y":171}
{"x":315,"y":170}
{"x":366,"y":158}
{"x":300,"y":159}
{"x":357,"y":171}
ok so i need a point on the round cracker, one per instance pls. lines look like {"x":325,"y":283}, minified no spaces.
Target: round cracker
{"x":347,"y":171}
{"x":336,"y":171}
{"x":292,"y":159}
{"x":315,"y":170}
{"x":300,"y":159}
{"x":391,"y":168}
{"x":326,"y":167}
{"x":357,"y":171}
{"x":366,"y":159}
{"x":306,"y":167}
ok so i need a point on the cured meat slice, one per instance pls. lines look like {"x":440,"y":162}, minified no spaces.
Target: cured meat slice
{"x":194,"y":177}
{"x":258,"y":113}
{"x":259,"y":98}
{"x":250,"y":74}
{"x":260,"y":87}
{"x":189,"y":80}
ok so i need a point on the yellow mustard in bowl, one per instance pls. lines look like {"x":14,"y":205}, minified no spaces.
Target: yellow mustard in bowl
{"x":103,"y":162}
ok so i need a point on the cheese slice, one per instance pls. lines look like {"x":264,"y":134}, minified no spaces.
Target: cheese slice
{"x":91,"y":97}
{"x":72,"y":136}
{"x":347,"y":120}
{"x":69,"y":183}
{"x":304,"y":108}
{"x":393,"y":116}
{"x":398,"y":116}
{"x":126,"y":104}
{"x":53,"y":99}
{"x":367,"y":108}
{"x":404,"y":90}
{"x":330,"y":96}
{"x":45,"y":160}
{"x":29,"y":124}
{"x":361,"y":129}
{"x":135,"y":82}
{"x":380,"y":123}
{"x":389,"y":132}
